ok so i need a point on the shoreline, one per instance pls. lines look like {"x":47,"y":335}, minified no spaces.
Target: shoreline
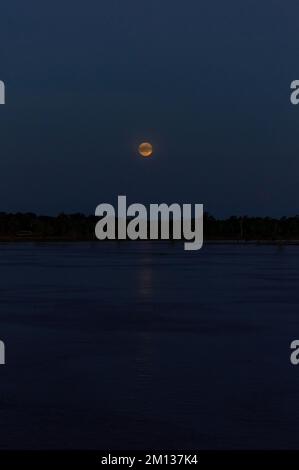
{"x":290,"y":242}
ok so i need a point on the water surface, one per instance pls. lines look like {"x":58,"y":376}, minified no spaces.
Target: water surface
{"x":143,"y":345}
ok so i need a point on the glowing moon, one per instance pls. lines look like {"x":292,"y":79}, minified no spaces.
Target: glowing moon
{"x":145,"y":149}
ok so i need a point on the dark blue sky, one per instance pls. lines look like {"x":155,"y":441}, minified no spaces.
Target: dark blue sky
{"x":207,"y":82}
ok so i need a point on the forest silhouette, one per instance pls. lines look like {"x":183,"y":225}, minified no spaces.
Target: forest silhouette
{"x":80,"y":227}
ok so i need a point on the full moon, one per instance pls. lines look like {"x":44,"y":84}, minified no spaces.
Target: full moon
{"x":145,"y":149}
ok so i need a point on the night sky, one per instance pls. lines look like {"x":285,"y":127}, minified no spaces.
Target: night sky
{"x":207,"y":82}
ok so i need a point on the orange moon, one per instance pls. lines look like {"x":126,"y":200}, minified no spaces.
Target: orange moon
{"x":145,"y":149}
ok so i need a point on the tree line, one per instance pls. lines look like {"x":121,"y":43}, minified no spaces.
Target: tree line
{"x":81,"y":227}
